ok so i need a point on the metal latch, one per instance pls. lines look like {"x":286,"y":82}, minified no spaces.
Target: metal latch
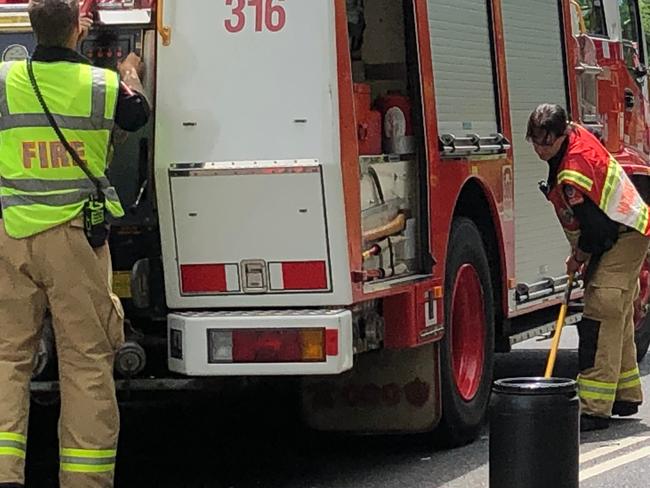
{"x":254,"y":276}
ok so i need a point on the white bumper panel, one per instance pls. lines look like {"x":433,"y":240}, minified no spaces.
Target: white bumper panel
{"x":188,"y":343}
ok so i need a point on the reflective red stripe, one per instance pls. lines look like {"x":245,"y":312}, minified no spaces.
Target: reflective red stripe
{"x":304,"y":275}
{"x":198,"y":278}
{"x":332,"y":342}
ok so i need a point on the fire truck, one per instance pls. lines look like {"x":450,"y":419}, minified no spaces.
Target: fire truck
{"x":341,"y":191}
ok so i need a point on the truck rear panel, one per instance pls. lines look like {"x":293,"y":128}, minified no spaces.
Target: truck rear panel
{"x":248,"y":156}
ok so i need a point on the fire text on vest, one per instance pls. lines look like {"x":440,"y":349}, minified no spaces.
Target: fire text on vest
{"x":50,"y":154}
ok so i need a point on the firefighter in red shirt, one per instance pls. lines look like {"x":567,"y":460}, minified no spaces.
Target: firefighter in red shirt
{"x":607,"y":224}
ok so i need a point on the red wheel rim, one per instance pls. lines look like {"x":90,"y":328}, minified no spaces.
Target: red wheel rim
{"x":467,"y":329}
{"x":641,"y":304}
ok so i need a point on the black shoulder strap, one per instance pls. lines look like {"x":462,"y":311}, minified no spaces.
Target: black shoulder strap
{"x":75,"y":156}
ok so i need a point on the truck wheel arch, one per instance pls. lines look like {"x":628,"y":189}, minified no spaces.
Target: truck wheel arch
{"x":476,"y":202}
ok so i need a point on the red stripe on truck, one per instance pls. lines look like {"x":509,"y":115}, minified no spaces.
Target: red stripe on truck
{"x":304,"y":275}
{"x":332,"y":342}
{"x":201,"y":278}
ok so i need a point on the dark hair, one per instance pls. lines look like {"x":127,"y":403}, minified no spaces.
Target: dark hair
{"x":546,"y":120}
{"x":54,"y":21}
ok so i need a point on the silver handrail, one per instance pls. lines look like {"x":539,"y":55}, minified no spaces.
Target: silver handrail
{"x":452,"y":146}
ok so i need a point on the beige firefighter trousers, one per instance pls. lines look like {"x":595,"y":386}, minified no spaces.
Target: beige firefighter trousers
{"x":59,"y":270}
{"x":608,"y":366}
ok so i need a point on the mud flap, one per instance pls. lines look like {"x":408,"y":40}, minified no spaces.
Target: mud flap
{"x":386,"y":391}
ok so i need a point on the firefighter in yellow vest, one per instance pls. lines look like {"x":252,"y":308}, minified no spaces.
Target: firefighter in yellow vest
{"x":606,"y":222}
{"x":53,"y":251}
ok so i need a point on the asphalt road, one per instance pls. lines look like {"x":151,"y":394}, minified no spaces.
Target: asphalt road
{"x":252,"y":438}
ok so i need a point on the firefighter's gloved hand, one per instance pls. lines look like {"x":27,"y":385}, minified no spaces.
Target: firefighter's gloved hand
{"x":573,"y":266}
{"x":131,"y":67}
{"x":543,"y":187}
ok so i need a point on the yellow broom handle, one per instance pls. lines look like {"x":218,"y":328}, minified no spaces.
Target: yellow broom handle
{"x":550,"y":365}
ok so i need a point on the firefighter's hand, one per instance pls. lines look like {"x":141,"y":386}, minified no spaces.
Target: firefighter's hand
{"x":131,"y":67}
{"x":85,"y":24}
{"x":573,"y":266}
{"x":131,"y":72}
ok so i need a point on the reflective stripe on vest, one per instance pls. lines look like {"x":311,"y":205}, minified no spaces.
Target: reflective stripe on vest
{"x":592,"y":170}
{"x":97,"y":120}
{"x":621,"y":204}
{"x":41,"y":186}
{"x":56,"y":199}
{"x":619,"y":199}
{"x":576,"y":178}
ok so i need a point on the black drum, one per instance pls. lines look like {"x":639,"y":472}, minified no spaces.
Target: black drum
{"x":534,"y":433}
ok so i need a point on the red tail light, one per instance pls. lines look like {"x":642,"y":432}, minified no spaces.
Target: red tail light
{"x":265,"y":347}
{"x":275,"y":346}
{"x":332,"y":342}
{"x":310,"y":345}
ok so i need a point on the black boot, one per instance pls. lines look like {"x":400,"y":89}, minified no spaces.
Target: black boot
{"x":625,"y":409}
{"x":591,"y":422}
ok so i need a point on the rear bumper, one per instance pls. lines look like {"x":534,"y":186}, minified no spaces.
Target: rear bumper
{"x":189,"y":345}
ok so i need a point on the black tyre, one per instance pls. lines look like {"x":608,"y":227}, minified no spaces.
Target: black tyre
{"x":467,"y":351}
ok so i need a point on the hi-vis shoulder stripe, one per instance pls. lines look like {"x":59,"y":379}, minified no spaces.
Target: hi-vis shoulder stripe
{"x":641,"y":223}
{"x":95,"y":121}
{"x":612,"y":180}
{"x":576,"y":178}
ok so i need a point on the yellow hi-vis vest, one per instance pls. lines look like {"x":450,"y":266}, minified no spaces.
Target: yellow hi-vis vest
{"x":40,"y":185}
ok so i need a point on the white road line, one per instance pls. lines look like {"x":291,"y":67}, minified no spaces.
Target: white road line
{"x":617,"y":462}
{"x":605,"y":450}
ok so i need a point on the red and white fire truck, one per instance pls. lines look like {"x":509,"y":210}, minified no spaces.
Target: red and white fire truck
{"x":342,"y":191}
